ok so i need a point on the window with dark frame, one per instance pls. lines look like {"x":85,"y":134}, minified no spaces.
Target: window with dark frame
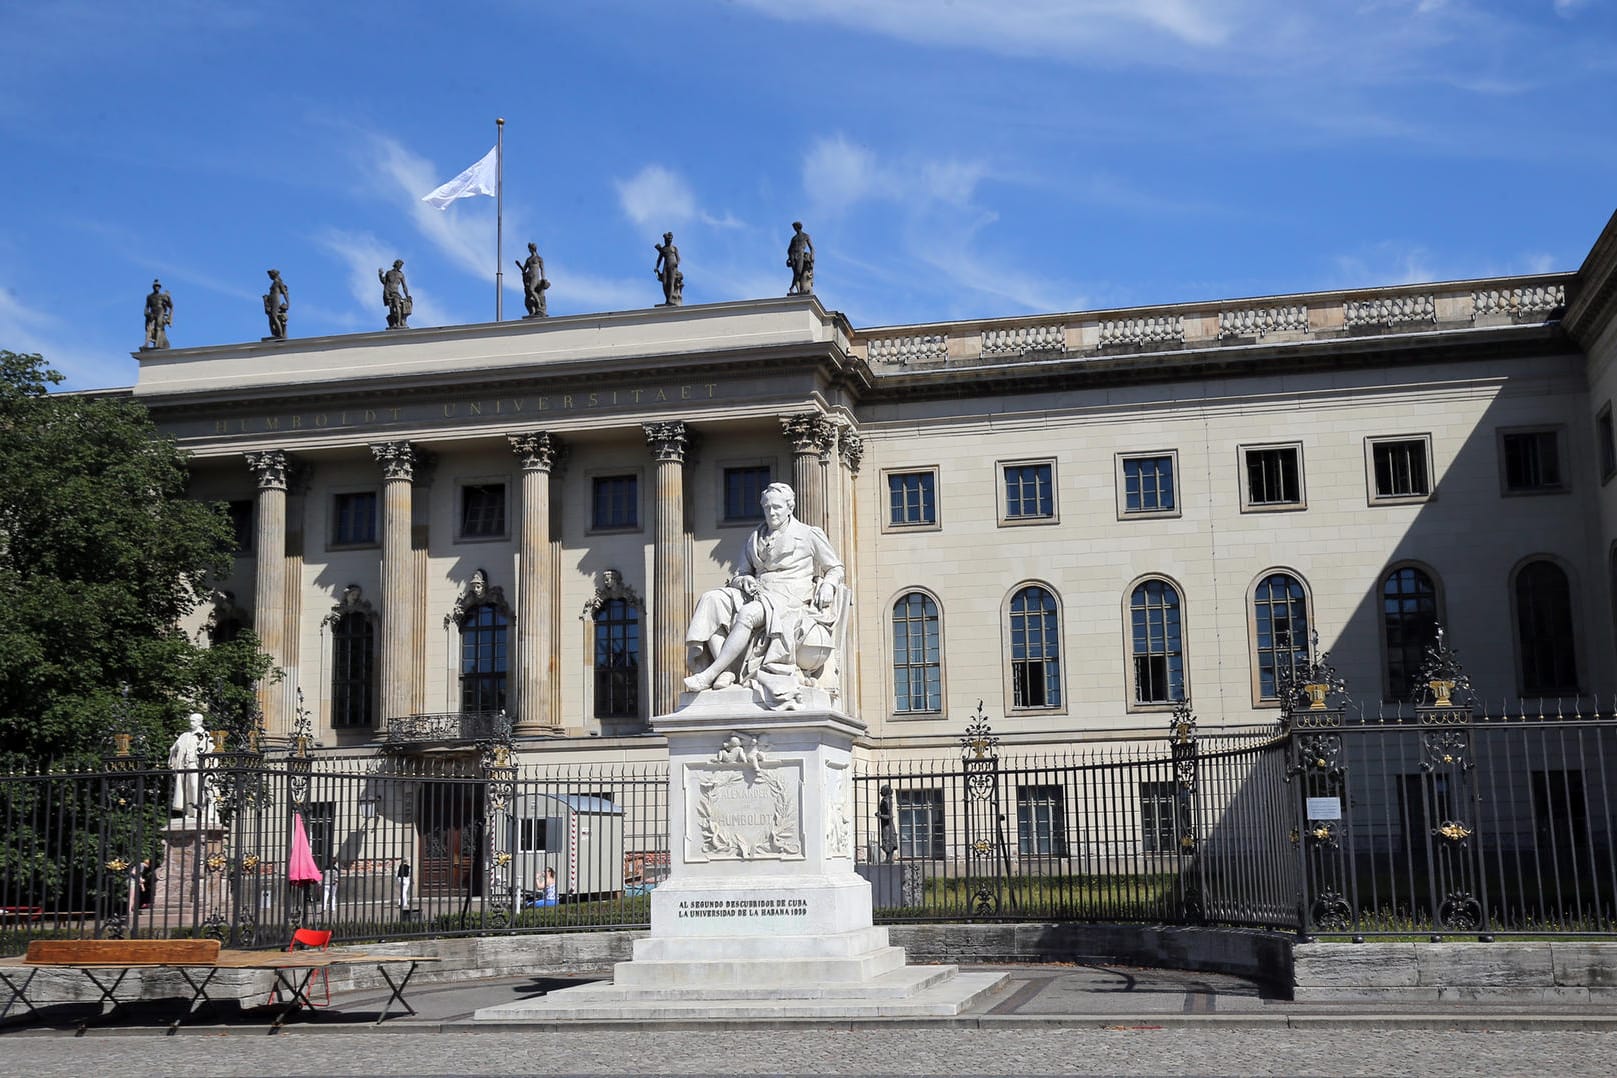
{"x":1532,"y":460}
{"x":1560,"y":810}
{"x":484,"y":659}
{"x":617,"y":660}
{"x":353,"y":518}
{"x":615,"y":502}
{"x":1041,"y":821}
{"x":920,"y":824}
{"x":1157,"y":800}
{"x":1401,"y":469}
{"x":1029,"y":491}
{"x":353,"y":672}
{"x":917,"y":666}
{"x":1148,"y":484}
{"x":1607,"y":443}
{"x":482,"y":511}
{"x":1274,"y":476}
{"x":1158,"y":645}
{"x":1409,"y":622}
{"x":241,"y":524}
{"x":1035,"y":650}
{"x":1280,"y":617}
{"x":321,"y":820}
{"x":1544,"y":630}
{"x":743,"y":491}
{"x":911,"y":499}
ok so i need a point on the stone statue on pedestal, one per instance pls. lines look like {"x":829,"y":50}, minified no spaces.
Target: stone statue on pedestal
{"x":886,"y":832}
{"x":534,"y":283}
{"x":775,"y":625}
{"x":159,"y":316}
{"x":396,"y":295}
{"x":276,"y":305}
{"x":800,"y":259}
{"x":191,"y":801}
{"x":667,"y":271}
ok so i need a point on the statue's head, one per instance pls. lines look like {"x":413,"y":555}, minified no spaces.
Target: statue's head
{"x":611,"y":580}
{"x":779,"y":502}
{"x":668,"y":235}
{"x":398,"y":263}
{"x":797,"y":226}
{"x":196,"y":721}
{"x":479,"y":583}
{"x":274,"y":273}
{"x":533,"y":248}
{"x":157,"y":286}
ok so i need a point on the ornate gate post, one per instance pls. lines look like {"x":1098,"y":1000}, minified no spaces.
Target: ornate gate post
{"x":1447,"y":723}
{"x":984,"y":824}
{"x":1190,"y":889}
{"x":1312,"y":706}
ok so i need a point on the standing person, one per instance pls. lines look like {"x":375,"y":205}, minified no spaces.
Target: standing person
{"x":667,"y":271}
{"x":800,"y":257}
{"x":534,"y":283}
{"x":328,"y":882}
{"x":159,"y":316}
{"x":404,"y":885}
{"x":396,"y":295}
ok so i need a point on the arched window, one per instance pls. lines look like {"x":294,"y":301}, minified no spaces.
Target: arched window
{"x":1544,"y":630}
{"x":1409,"y":622}
{"x":1035,"y":649}
{"x":484,"y":633}
{"x":617,"y":660}
{"x":353,"y":671}
{"x":1157,"y":643}
{"x":1280,"y":631}
{"x":917,"y":667}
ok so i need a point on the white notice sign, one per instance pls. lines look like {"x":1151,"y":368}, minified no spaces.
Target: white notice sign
{"x":1324,"y":808}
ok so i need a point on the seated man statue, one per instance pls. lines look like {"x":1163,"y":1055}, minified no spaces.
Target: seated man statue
{"x":776,"y":623}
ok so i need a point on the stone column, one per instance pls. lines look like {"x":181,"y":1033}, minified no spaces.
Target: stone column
{"x":670,"y":602}
{"x":398,"y":460}
{"x":537,"y":451}
{"x":269,"y":592}
{"x":812,"y":436}
{"x":850,"y":454}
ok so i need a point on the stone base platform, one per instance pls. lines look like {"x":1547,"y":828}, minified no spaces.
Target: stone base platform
{"x":908,"y":992}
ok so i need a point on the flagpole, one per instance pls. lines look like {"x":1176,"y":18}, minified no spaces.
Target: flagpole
{"x":499,"y":215}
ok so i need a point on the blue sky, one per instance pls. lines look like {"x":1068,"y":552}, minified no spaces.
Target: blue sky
{"x":951,"y":158}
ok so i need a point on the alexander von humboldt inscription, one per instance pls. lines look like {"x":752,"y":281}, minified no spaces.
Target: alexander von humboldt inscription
{"x":744,"y":805}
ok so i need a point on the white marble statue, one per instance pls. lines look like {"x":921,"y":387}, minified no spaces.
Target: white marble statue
{"x":190,"y":798}
{"x":776,"y":624}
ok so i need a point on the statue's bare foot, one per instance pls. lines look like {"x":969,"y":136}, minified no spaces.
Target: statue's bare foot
{"x":698,"y":683}
{"x":725,"y":680}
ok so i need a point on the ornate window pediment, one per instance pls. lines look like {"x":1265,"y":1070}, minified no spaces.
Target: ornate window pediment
{"x":351,"y":601}
{"x":478,"y":593}
{"x":611,"y":587}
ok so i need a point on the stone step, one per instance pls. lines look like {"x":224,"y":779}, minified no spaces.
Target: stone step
{"x":703,"y":948}
{"x":736,"y":974}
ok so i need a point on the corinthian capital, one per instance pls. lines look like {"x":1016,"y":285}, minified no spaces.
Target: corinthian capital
{"x":270,"y":467}
{"x":398,"y":459}
{"x":852,"y":449}
{"x":810,"y":433}
{"x":668,"y":441}
{"x":538,"y":451}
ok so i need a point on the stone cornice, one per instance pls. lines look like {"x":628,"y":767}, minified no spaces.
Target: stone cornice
{"x":1592,"y":297}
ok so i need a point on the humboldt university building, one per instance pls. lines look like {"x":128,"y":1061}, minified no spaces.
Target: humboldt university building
{"x":1078,"y":519}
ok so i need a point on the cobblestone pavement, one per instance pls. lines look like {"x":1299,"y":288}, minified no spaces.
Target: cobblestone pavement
{"x":908,"y":1051}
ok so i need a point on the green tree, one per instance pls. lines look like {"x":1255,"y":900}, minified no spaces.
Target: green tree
{"x":101,"y":555}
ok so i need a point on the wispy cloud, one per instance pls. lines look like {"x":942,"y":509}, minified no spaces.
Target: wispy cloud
{"x":26,"y":329}
{"x":364,"y":254}
{"x":659,"y":197}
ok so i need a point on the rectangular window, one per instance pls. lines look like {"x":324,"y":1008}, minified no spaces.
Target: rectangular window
{"x":920,"y":824}
{"x":1400,"y":469}
{"x":911,"y":499}
{"x":1147,"y":486}
{"x":535,"y":834}
{"x":615,"y":502}
{"x":1041,"y":821}
{"x":1030,"y":492}
{"x":1607,"y":443}
{"x":743,"y":487}
{"x":1560,"y":811}
{"x":321,"y":817}
{"x":241,"y":524}
{"x":1531,"y":461}
{"x":1274,"y":477}
{"x":1156,"y":816}
{"x":482,"y":511}
{"x":353,"y":519}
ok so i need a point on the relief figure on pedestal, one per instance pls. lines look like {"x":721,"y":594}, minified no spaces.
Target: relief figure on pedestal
{"x":775,"y":625}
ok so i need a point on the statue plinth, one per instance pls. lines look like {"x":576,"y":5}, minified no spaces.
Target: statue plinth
{"x":184,"y":889}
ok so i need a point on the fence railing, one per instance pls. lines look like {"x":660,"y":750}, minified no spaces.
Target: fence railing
{"x":1439,"y":824}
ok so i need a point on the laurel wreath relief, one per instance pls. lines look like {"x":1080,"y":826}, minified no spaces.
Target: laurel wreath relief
{"x":783,"y":839}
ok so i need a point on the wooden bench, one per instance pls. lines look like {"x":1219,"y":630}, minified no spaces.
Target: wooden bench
{"x":105,"y":964}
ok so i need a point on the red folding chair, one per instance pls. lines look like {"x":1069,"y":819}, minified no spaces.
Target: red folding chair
{"x":317,"y":939}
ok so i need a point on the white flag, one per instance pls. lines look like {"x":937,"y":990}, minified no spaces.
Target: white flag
{"x":480,"y":179}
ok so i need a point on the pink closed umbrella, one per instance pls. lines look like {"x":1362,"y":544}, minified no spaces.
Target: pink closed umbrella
{"x":300,"y":866}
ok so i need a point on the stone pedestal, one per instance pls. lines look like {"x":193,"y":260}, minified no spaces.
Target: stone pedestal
{"x":184,"y":892}
{"x":762,"y":915}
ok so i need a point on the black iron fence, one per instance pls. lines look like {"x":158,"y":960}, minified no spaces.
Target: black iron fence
{"x":1438,"y":824}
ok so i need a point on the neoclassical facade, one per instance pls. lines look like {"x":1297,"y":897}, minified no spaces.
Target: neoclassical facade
{"x":1078,"y":519}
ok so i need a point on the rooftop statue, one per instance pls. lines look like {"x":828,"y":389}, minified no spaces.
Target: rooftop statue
{"x":276,"y":304}
{"x":667,"y":271}
{"x":396,"y":295}
{"x":159,"y":316}
{"x":775,"y":625}
{"x":800,"y":258}
{"x":534,"y":283}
